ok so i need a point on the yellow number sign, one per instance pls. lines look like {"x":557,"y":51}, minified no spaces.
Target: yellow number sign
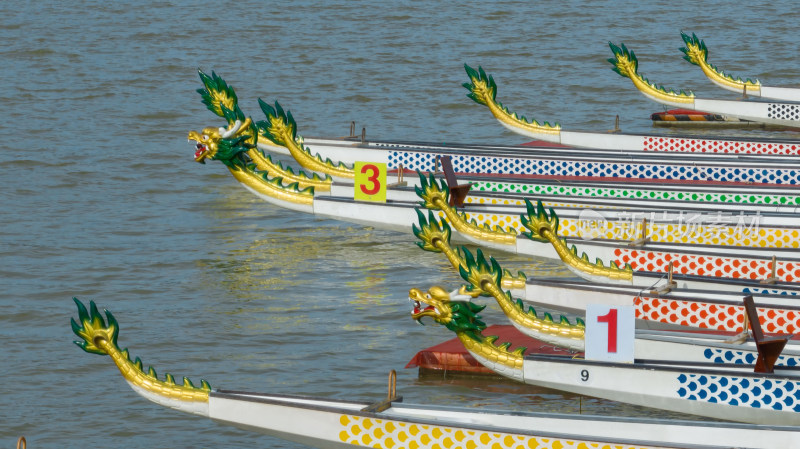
{"x":370,"y":182}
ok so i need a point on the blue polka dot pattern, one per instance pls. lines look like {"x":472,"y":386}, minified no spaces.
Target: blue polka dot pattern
{"x":743,"y":358}
{"x":415,"y":160}
{"x":777,"y":394}
{"x":767,"y":291}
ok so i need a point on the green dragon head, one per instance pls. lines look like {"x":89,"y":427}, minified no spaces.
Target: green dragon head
{"x":453,"y":310}
{"x":431,"y":233}
{"x":92,"y":328}
{"x":223,"y":144}
{"x":696,"y":52}
{"x":97,"y":337}
{"x":220,"y":98}
{"x":432,"y":192}
{"x":539,"y":221}
{"x":280,"y":127}
{"x":482,"y":276}
{"x":482,"y":87}
{"x":626,"y":64}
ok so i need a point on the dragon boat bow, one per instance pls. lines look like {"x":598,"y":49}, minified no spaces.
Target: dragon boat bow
{"x":695,"y":52}
{"x":330,"y":423}
{"x":785,"y":114}
{"x":723,"y":391}
{"x":483,"y":90}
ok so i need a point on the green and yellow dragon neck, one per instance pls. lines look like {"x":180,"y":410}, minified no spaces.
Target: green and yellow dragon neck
{"x":488,"y":279}
{"x":461,"y":317}
{"x":97,"y":337}
{"x":281,"y":129}
{"x":435,"y":195}
{"x":260,"y":182}
{"x":626,"y":64}
{"x":483,"y":90}
{"x":220,"y":98}
{"x":543,"y":227}
{"x":435,"y":237}
{"x":696,"y":53}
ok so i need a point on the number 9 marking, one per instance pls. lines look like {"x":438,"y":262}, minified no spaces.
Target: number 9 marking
{"x":373,"y":178}
{"x":585,"y":375}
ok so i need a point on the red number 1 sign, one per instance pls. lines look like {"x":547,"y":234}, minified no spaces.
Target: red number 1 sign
{"x":610,"y":332}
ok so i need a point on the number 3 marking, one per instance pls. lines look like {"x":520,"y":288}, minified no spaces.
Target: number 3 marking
{"x":376,"y":185}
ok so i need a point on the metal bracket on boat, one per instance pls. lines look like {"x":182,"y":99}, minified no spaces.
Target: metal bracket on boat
{"x":742,"y":336}
{"x":390,"y":397}
{"x":22,"y":443}
{"x":436,"y":165}
{"x":616,"y":127}
{"x":669,"y":286}
{"x":353,"y":132}
{"x":400,"y":182}
{"x":772,"y":277}
{"x":643,"y":237}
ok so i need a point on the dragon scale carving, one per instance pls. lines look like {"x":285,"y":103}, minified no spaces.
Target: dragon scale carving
{"x":436,"y":195}
{"x":97,"y":337}
{"x":461,"y":317}
{"x":544,"y":228}
{"x":483,"y":90}
{"x":488,"y":279}
{"x":281,"y":128}
{"x":435,"y":237}
{"x":696,"y":53}
{"x":626,"y":64}
{"x":221,"y":99}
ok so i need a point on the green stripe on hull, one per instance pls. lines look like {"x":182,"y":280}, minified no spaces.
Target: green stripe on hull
{"x":544,"y":189}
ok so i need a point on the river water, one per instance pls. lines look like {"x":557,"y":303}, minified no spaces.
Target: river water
{"x":101,"y":198}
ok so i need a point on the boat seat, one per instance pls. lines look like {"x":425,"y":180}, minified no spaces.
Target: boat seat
{"x":769,"y":348}
{"x":458,"y":192}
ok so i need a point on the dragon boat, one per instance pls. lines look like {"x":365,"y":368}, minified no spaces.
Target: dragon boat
{"x":390,"y":423}
{"x":483,"y":90}
{"x":486,"y":278}
{"x":718,"y":307}
{"x":776,"y":113}
{"x":762,"y":394}
{"x":279,"y":134}
{"x":696,"y":52}
{"x":622,"y":260}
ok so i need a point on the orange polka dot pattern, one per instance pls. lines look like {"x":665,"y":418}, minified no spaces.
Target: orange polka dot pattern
{"x":725,"y":267}
{"x":706,"y":315}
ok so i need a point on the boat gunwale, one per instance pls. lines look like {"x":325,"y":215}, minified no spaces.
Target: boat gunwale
{"x":261,"y":399}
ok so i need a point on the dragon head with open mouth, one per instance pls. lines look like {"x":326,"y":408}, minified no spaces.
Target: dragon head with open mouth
{"x":220,"y":143}
{"x":453,"y":310}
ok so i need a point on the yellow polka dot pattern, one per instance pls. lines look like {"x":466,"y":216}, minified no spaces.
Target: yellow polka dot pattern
{"x":387,"y":434}
{"x":745,"y":234}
